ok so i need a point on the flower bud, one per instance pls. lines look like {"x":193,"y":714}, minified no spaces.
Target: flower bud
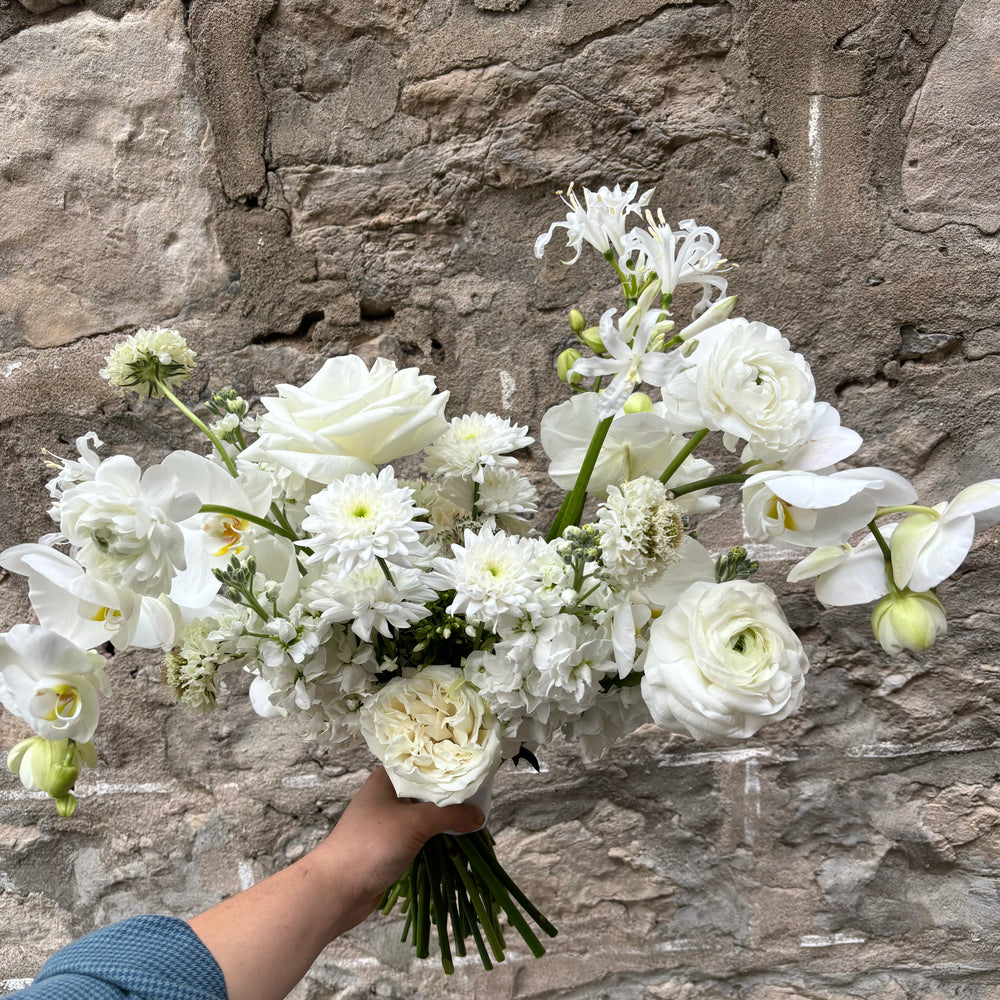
{"x":576,"y":321}
{"x":66,"y":806}
{"x":908,"y":620}
{"x":592,"y":338}
{"x":564,"y":365}
{"x":638,"y":402}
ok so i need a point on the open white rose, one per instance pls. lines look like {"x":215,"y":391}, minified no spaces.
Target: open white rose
{"x":347,"y":419}
{"x":723,"y":662}
{"x":434,"y":734}
{"x":50,"y":683}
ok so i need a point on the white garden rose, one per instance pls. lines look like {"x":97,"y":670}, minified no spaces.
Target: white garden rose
{"x":723,"y":662}
{"x":743,"y":379}
{"x":50,"y":683}
{"x":434,"y":734}
{"x":347,"y":419}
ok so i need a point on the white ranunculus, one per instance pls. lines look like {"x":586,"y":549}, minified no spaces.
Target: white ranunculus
{"x":743,"y":379}
{"x":723,"y":662}
{"x":434,"y":734}
{"x":50,"y":683}
{"x":347,"y":419}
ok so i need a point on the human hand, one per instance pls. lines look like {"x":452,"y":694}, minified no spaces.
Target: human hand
{"x":379,"y":835}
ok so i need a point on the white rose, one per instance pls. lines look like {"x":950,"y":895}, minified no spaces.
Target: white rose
{"x":743,"y":379}
{"x":347,"y":419}
{"x":722,"y":662}
{"x":50,"y":683}
{"x":434,"y":734}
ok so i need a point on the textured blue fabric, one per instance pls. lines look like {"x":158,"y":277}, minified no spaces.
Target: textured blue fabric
{"x":143,"y":958}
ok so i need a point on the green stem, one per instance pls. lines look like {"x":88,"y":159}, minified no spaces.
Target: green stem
{"x":214,"y":508}
{"x":886,"y":553}
{"x":485,"y":918}
{"x":201,"y":425}
{"x":385,"y":569}
{"x":572,"y":507}
{"x":678,"y":460}
{"x":706,"y":484}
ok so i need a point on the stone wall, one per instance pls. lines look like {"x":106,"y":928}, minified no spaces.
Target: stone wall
{"x":286,"y":179}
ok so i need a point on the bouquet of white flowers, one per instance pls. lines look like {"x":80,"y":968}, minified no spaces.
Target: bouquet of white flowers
{"x":429,"y":615}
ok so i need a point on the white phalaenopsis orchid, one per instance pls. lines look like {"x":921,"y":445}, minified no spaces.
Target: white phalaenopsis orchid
{"x":50,"y":683}
{"x":600,"y":221}
{"x":687,"y":255}
{"x":635,"y":346}
{"x":846,"y":575}
{"x":928,"y":546}
{"x":806,"y":509}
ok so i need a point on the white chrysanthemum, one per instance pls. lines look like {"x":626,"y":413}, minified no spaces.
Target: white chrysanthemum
{"x":367,"y":599}
{"x":360,"y":519}
{"x":641,"y":530}
{"x":494,"y":576}
{"x":474,"y":443}
{"x":148,"y":360}
{"x":503,"y":498}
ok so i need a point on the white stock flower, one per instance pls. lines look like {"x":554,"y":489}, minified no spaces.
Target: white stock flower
{"x":146,"y":358}
{"x":434,"y":734}
{"x":494,"y":576}
{"x":687,"y":255}
{"x":124,"y":524}
{"x":928,"y":547}
{"x":50,"y":683}
{"x":474,"y":443}
{"x":723,"y":662}
{"x":633,"y":344}
{"x":807,"y":508}
{"x":638,"y":444}
{"x":641,"y":531}
{"x":363,"y":518}
{"x":613,"y":714}
{"x":741,"y":378}
{"x":347,"y":419}
{"x":600,"y":221}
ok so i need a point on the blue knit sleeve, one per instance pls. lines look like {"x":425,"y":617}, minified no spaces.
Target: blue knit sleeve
{"x":143,"y":958}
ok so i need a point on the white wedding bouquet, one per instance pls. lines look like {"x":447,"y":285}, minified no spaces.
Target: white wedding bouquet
{"x":380,"y":572}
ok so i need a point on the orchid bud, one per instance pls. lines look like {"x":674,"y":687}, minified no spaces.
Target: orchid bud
{"x":638,"y":402}
{"x":564,"y":366}
{"x":66,"y":806}
{"x":908,"y":620}
{"x":592,"y":338}
{"x":576,"y":321}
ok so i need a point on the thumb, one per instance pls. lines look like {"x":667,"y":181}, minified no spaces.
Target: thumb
{"x":464,"y":818}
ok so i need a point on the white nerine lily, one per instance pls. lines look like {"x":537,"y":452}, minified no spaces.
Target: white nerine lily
{"x":635,"y":355}
{"x":599,"y":222}
{"x":928,"y":547}
{"x":688,"y":255}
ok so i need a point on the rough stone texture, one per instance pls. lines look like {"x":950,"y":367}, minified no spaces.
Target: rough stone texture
{"x":285,"y":180}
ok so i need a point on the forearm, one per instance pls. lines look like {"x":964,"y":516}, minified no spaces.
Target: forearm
{"x":266,"y":938}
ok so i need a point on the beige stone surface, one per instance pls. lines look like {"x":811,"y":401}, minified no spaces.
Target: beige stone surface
{"x":283,"y":180}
